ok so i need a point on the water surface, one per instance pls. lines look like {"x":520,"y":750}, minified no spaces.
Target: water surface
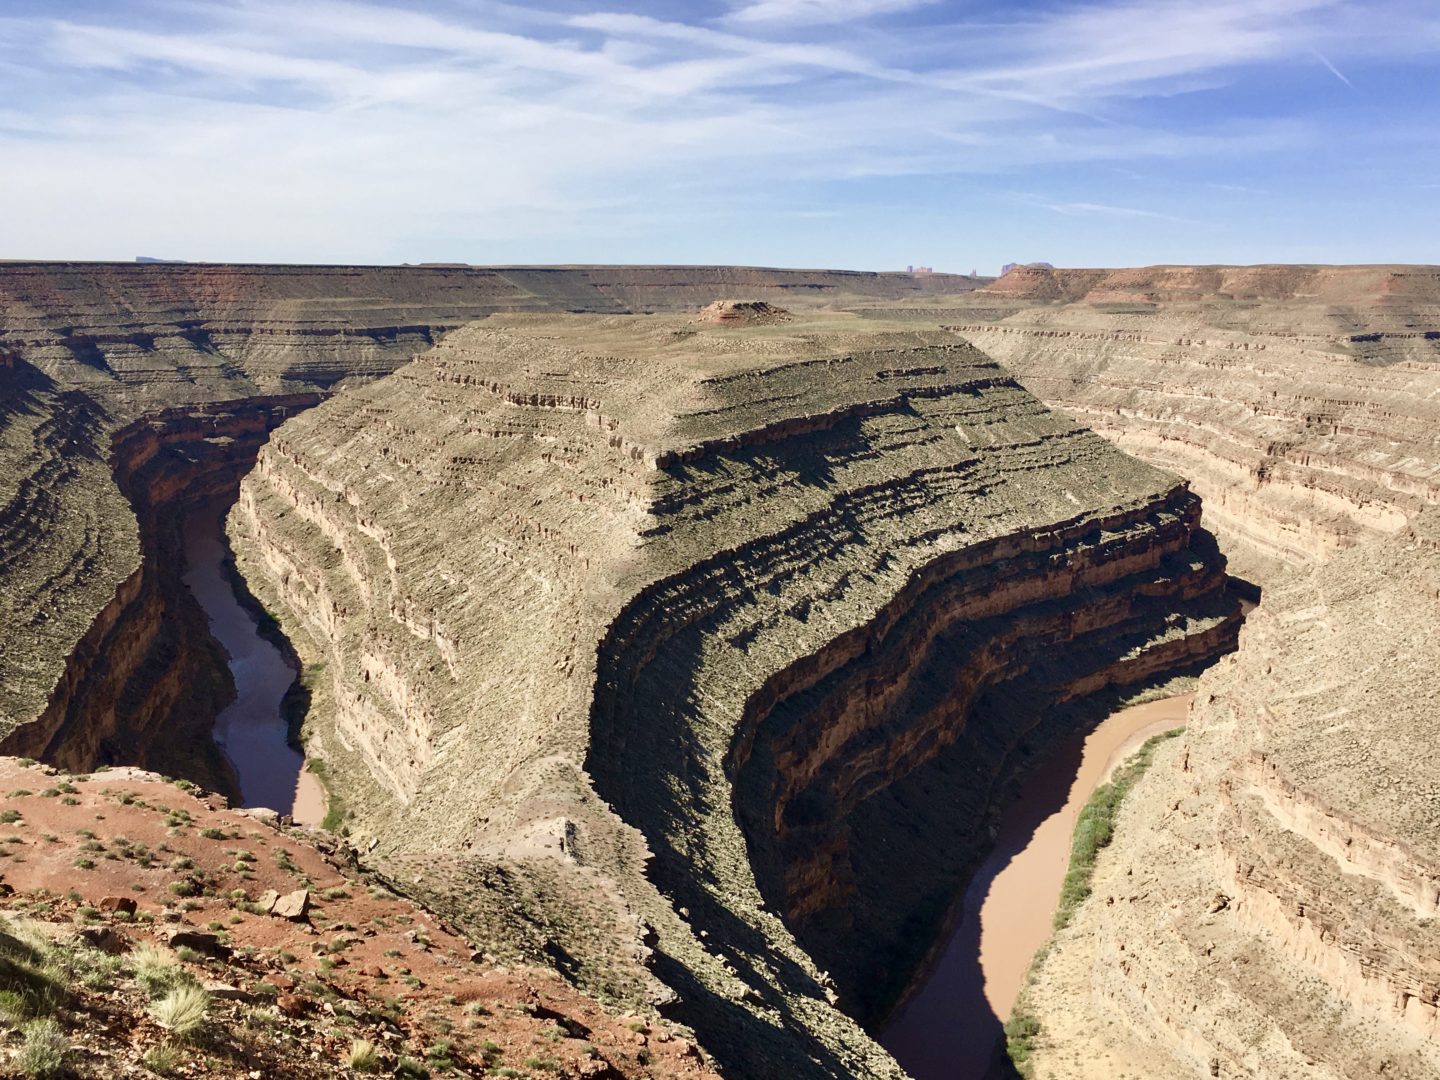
{"x":251,"y":730}
{"x":951,"y":1028}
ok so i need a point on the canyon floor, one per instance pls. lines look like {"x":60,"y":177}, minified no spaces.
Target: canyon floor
{"x":644,"y":648}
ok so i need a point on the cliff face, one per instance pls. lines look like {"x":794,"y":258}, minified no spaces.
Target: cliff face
{"x":87,"y":349}
{"x":1298,"y":401}
{"x":611,"y":610}
{"x":145,"y":681}
{"x":1267,"y":908}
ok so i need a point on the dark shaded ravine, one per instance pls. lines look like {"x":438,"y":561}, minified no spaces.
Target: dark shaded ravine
{"x":252,"y":730}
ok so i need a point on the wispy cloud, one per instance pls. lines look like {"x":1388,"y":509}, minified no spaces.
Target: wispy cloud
{"x":354,"y":129}
{"x":1332,"y":68}
{"x":1090,"y":209}
{"x":792,"y":12}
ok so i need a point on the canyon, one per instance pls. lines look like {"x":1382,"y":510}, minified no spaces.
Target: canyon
{"x":653,"y":647}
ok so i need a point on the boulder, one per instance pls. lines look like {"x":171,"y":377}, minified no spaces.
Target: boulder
{"x":294,"y":906}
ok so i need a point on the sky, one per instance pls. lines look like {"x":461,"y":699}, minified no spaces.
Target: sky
{"x":865,"y":134}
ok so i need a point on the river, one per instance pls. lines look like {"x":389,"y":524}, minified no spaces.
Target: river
{"x":952,"y":1026}
{"x":251,"y":730}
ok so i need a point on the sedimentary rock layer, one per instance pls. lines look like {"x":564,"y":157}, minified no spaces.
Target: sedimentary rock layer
{"x":571,"y":584}
{"x":1300,"y":402}
{"x":177,"y":333}
{"x":1268,"y":906}
{"x":88,"y":348}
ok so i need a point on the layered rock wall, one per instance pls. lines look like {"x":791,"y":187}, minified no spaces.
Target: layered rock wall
{"x":146,"y":680}
{"x":1298,"y":401}
{"x":1267,"y":908}
{"x":573,"y":584}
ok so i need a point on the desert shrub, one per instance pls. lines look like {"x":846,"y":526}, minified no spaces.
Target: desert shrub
{"x":157,"y":970}
{"x":45,"y":1049}
{"x":362,"y":1057}
{"x":163,"y":1059}
{"x":182,"y":1010}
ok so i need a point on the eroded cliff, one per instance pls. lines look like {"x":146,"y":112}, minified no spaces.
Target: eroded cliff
{"x":571,"y":585}
{"x":1267,"y":908}
{"x":1298,"y":401}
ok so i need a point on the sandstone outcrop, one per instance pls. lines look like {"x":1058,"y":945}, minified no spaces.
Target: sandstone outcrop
{"x":742,"y":313}
{"x":577,"y":586}
{"x":1268,"y":906}
{"x":1298,"y":401}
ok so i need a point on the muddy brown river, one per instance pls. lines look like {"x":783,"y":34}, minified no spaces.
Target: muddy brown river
{"x":952,"y":1027}
{"x":251,"y":730}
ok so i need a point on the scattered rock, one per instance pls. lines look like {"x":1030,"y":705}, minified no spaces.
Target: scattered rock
{"x":293,"y":906}
{"x":114,"y":904}
{"x":104,"y":939}
{"x":225,"y":991}
{"x":201,"y":942}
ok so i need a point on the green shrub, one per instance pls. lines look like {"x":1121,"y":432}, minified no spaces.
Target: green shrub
{"x":156,"y":969}
{"x":182,"y":1010}
{"x":1095,"y":827}
{"x":46,"y":1047}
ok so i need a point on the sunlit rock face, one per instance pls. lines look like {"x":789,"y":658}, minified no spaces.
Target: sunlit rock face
{"x":1267,"y":908}
{"x":631,"y":608}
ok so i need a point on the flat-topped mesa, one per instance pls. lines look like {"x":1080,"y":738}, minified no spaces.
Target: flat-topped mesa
{"x":1300,"y":402}
{"x":88,"y":350}
{"x":1268,"y":905}
{"x":612,"y":605}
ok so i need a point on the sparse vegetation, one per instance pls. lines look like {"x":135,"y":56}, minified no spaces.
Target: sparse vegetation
{"x":162,"y":1059}
{"x":1095,"y":827}
{"x":363,"y":1057}
{"x":182,"y":1010}
{"x":45,"y":1049}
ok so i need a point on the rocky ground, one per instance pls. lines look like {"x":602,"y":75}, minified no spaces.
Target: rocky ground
{"x":122,"y":889}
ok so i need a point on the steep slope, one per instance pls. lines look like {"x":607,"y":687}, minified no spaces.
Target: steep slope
{"x":1267,"y":908}
{"x":621,"y":609}
{"x":122,"y":887}
{"x":88,"y":351}
{"x":1300,"y":402}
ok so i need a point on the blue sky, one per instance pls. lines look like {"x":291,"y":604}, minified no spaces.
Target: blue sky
{"x":846,"y":133}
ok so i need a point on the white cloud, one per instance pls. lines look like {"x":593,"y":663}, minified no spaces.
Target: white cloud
{"x":261,"y":128}
{"x":816,"y":12}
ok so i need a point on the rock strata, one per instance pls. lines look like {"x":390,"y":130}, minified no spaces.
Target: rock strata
{"x":575,"y":586}
{"x":1267,"y":907}
{"x":1298,"y":401}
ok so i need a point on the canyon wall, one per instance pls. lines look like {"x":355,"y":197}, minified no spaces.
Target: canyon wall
{"x":1298,"y":401}
{"x":1268,"y":906}
{"x":607,"y":614}
{"x":87,"y":349}
{"x":146,"y":680}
